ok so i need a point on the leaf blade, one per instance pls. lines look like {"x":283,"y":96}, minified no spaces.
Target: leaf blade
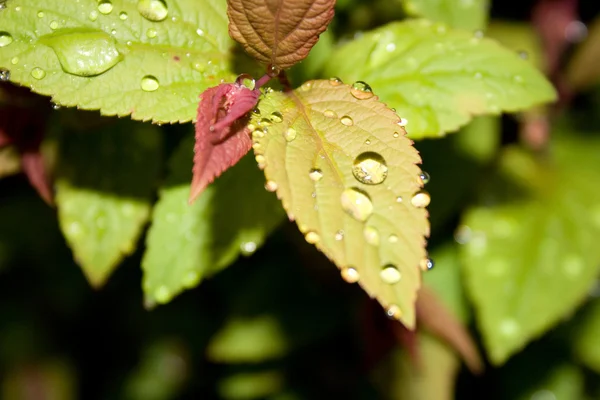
{"x":471,"y":15}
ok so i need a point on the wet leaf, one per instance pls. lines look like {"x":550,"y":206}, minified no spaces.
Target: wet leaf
{"x":548,"y":214}
{"x":121,"y":58}
{"x":104,"y":187}
{"x":187,"y":243}
{"x":438,"y":78}
{"x":280,"y":33}
{"x":470,"y":15}
{"x":343,"y":168}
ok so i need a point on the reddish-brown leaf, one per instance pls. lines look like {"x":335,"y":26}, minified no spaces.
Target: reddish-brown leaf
{"x":278,"y":32}
{"x":221,"y":134}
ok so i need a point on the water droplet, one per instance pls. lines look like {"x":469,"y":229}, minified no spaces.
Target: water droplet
{"x":346,"y":120}
{"x":273,"y":70}
{"x":56,"y":107}
{"x":5,"y":39}
{"x":40,"y":14}
{"x":371,"y":235}
{"x":367,"y":142}
{"x":399,"y":199}
{"x":315,"y":174}
{"x":258,"y":133}
{"x":370,"y":168}
{"x":123,"y":16}
{"x":509,"y":327}
{"x":335,"y":81}
{"x":265,"y":122}
{"x":191,"y":279}
{"x":306,"y":86}
{"x":4,"y":75}
{"x":312,"y":237}
{"x":149,"y":83}
{"x":357,"y":204}
{"x":426,"y":264}
{"x":153,"y":10}
{"x":271,"y":186}
{"x":403,"y":122}
{"x":93,"y":15}
{"x":199,"y":32}
{"x":339,"y":235}
{"x":75,"y":229}
{"x":390,"y":47}
{"x":105,"y":7}
{"x":424,"y":177}
{"x":260,"y":159}
{"x":420,"y":199}
{"x":151,"y":33}
{"x":84,"y":53}
{"x":38,"y":73}
{"x":162,"y":294}
{"x":113,"y":32}
{"x":350,"y":274}
{"x":248,"y":248}
{"x":246,"y":80}
{"x":390,"y":274}
{"x":393,"y":238}
{"x":361,"y":90}
{"x":289,"y":134}
{"x":330,"y":114}
{"x":478,"y":75}
{"x":396,"y":135}
{"x":54,"y":25}
{"x":393,"y":311}
{"x":276,"y":117}
{"x":14,"y":60}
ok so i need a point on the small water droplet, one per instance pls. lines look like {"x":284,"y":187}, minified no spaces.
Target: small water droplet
{"x":93,"y":15}
{"x":265,"y":122}
{"x":396,"y":135}
{"x":40,"y":14}
{"x":14,"y":60}
{"x":403,"y":122}
{"x":312,"y":237}
{"x":370,"y":168}
{"x":371,"y":235}
{"x":339,"y":235}
{"x":75,"y":229}
{"x":260,"y":159}
{"x":4,"y":75}
{"x":390,"y":274}
{"x":5,"y":39}
{"x":509,"y":327}
{"x":350,"y":274}
{"x":424,"y":177}
{"x":151,"y":33}
{"x":289,"y":134}
{"x":162,"y":294}
{"x":273,"y":70}
{"x":399,"y":199}
{"x":357,"y":204}
{"x":306,"y":86}
{"x":105,"y":7}
{"x":123,"y":16}
{"x":246,"y":80}
{"x":315,"y":174}
{"x":361,"y":90}
{"x":149,"y":83}
{"x":153,"y":10}
{"x":393,"y":311}
{"x":271,"y":186}
{"x":113,"y":32}
{"x":276,"y":117}
{"x":420,"y":199}
{"x":393,"y":238}
{"x":367,"y":142}
{"x":335,"y":81}
{"x":38,"y":73}
{"x":199,"y":32}
{"x":478,"y":75}
{"x":390,"y":47}
{"x":426,"y":264}
{"x":330,"y":114}
{"x":54,"y":25}
{"x":56,"y":106}
{"x":248,"y":248}
{"x":346,"y":120}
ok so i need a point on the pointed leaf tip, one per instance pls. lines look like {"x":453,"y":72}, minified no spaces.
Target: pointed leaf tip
{"x":221,"y":134}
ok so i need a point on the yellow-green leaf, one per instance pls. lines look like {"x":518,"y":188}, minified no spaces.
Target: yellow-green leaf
{"x":471,"y":15}
{"x":343,"y":168}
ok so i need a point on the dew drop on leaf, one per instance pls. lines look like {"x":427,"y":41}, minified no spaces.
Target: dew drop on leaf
{"x":5,"y":39}
{"x":271,"y":186}
{"x":371,"y":235}
{"x":393,"y":238}
{"x":370,"y":168}
{"x":40,"y":14}
{"x":330,"y":114}
{"x":312,"y":237}
{"x":246,"y":80}
{"x":339,"y":235}
{"x":290,"y":134}
{"x":265,"y":122}
{"x":403,"y":122}
{"x":367,"y":142}
{"x":4,"y":75}
{"x":350,"y":274}
{"x":420,"y":199}
{"x":261,"y":160}
{"x":149,"y":83}
{"x":390,"y":274}
{"x":276,"y":117}
{"x":399,"y":199}
{"x":54,"y":25}
{"x":346,"y":120}
{"x":396,"y":135}
{"x":105,"y":6}
{"x":426,"y":264}
{"x":14,"y":60}
{"x":361,"y":90}
{"x":38,"y":73}
{"x":151,"y":33}
{"x":153,"y":10}
{"x":335,"y":81}
{"x":424,"y":177}
{"x":393,"y":311}
{"x":93,"y":15}
{"x":357,"y":204}
{"x":123,"y":16}
{"x":315,"y":174}
{"x":248,"y":248}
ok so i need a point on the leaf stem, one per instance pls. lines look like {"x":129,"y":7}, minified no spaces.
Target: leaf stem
{"x":262,"y":81}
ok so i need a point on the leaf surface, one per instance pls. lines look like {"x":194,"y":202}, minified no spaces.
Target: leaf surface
{"x":586,"y":344}
{"x":470,"y":15}
{"x":345,"y":171}
{"x":438,"y":78}
{"x":148,"y":59}
{"x":278,"y":32}
{"x":104,"y":186}
{"x":535,"y":240}
{"x":187,"y":243}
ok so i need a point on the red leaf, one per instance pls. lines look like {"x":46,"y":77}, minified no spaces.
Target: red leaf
{"x":222,"y":137}
{"x":35,"y":170}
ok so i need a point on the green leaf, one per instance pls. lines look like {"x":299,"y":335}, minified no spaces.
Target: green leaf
{"x":531,"y":258}
{"x":120,"y":58}
{"x":189,"y":242}
{"x":438,"y":78}
{"x":586,"y":344}
{"x":104,"y":187}
{"x":470,"y":15}
{"x":344,"y":170}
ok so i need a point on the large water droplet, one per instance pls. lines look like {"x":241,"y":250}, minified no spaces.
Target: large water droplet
{"x":335,"y":81}
{"x":346,"y":120}
{"x":246,"y":80}
{"x":361,"y":90}
{"x":271,"y":186}
{"x":426,"y":264}
{"x":371,"y":235}
{"x":357,"y":204}
{"x":149,"y":83}
{"x":393,"y":311}
{"x":5,"y":38}
{"x":312,"y":237}
{"x":105,"y":7}
{"x":83,"y":52}
{"x":4,"y":75}
{"x":315,"y":174}
{"x":290,"y":134}
{"x":370,"y":168}
{"x":390,"y":274}
{"x":153,"y":10}
{"x":420,"y":199}
{"x":350,"y":274}
{"x":276,"y":117}
{"x":38,"y":73}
